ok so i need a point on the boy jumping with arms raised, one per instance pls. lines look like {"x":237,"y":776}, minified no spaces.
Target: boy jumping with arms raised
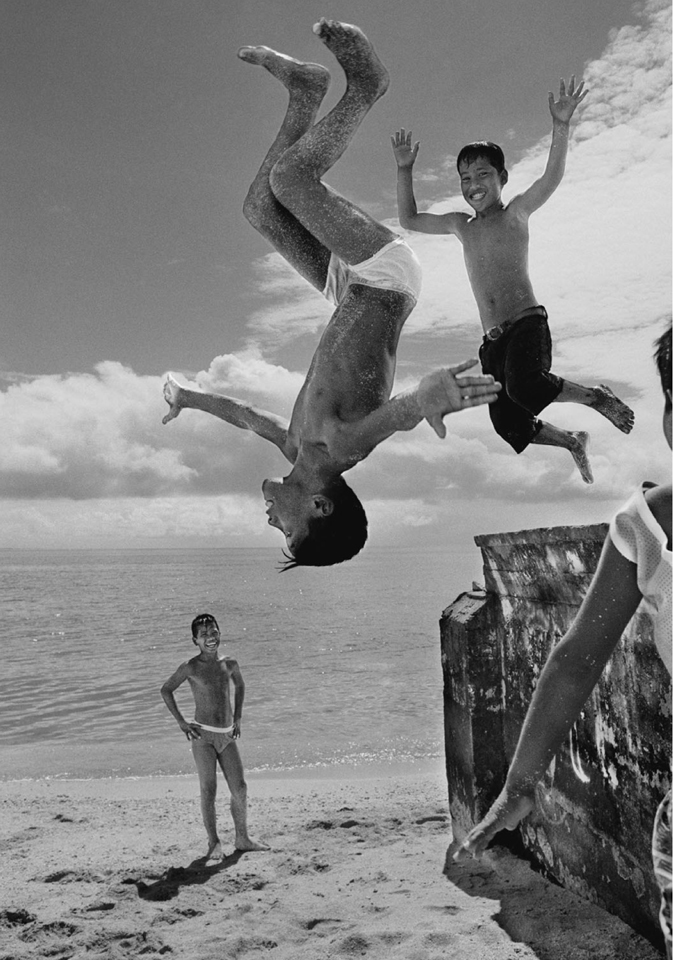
{"x":516,"y":348}
{"x":343,"y":410}
{"x":214,"y":730}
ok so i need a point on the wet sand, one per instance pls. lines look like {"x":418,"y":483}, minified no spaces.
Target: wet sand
{"x":357,"y":867}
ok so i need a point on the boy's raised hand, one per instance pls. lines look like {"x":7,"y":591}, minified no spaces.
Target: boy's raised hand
{"x":442,"y":392}
{"x":405,"y":154}
{"x":563,"y":108}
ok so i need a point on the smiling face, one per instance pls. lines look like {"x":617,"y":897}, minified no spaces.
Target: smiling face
{"x":481,"y":184}
{"x":207,"y":638}
{"x":290,"y":508}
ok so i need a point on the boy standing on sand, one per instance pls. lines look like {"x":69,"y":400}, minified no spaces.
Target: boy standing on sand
{"x":214,"y":730}
{"x":516,"y":348}
{"x":343,"y":410}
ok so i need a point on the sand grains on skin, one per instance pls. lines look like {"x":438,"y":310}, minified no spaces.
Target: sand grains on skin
{"x":356,"y":56}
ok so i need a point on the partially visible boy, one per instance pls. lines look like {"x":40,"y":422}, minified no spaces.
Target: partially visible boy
{"x":634,"y":570}
{"x":516,"y":348}
{"x":214,"y":730}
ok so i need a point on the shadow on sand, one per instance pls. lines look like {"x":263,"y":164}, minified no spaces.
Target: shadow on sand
{"x":555,"y":923}
{"x":199,"y":871}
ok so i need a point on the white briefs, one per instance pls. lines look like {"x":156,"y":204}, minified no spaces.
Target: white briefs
{"x":393,"y":267}
{"x":204,"y":726}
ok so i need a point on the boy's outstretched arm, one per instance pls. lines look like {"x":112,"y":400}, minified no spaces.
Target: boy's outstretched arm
{"x":409,"y":217}
{"x":237,"y":412}
{"x":437,"y":394}
{"x":561,"y":111}
{"x":569,"y":675}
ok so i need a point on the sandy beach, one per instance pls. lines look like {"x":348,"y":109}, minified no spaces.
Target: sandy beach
{"x":357,"y":867}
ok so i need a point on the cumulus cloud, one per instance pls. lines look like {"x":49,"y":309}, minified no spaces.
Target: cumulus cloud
{"x":600,"y":248}
{"x":92,"y":446}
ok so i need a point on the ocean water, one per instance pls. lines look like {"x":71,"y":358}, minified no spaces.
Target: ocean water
{"x":341,"y":665}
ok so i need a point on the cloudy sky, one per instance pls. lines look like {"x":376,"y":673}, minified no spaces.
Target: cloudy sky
{"x":131,"y":133}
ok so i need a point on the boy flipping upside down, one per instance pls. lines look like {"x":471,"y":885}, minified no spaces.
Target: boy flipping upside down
{"x":343,"y":410}
{"x":516,"y":348}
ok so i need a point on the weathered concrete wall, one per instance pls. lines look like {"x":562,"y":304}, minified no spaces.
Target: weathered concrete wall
{"x":593,"y":823}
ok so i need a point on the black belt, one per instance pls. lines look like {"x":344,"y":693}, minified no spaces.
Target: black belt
{"x":495,"y":332}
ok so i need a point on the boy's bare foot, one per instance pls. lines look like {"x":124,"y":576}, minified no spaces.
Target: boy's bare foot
{"x":578,"y":449}
{"x":611,"y":407}
{"x":364,"y":71}
{"x":308,"y":77}
{"x":172,"y":392}
{"x":215,"y":852}
{"x":248,"y":845}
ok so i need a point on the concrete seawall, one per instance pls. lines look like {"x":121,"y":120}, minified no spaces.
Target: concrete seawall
{"x":592,"y":827}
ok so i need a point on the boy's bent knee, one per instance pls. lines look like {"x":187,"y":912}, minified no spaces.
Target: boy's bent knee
{"x":288,"y":181}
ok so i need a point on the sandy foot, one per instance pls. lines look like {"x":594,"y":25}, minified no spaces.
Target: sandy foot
{"x":356,"y":55}
{"x":579,"y":455}
{"x":214,"y":853}
{"x":613,"y":409}
{"x":250,"y":846}
{"x":292,"y":73}
{"x":172,"y":392}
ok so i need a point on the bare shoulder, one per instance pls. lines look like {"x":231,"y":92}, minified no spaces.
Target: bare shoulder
{"x":230,"y":664}
{"x":455,"y":222}
{"x":179,"y":676}
{"x":518,"y":207}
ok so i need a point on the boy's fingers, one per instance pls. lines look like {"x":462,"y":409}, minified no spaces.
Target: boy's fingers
{"x":485,"y":381}
{"x":465,"y":365}
{"x":481,"y":399}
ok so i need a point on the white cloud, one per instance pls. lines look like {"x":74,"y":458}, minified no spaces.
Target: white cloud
{"x":88,"y":452}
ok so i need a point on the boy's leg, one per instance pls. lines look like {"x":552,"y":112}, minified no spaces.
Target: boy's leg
{"x":530,"y":382}
{"x":521,"y":363}
{"x":602,"y":400}
{"x":205,"y":759}
{"x":347,"y":231}
{"x":576,"y":442}
{"x":232,"y":768}
{"x":307,"y":84}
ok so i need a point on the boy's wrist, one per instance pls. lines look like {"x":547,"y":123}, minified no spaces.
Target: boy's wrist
{"x":414,"y":404}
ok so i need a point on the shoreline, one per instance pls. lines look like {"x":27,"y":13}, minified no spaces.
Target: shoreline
{"x":364,"y":770}
{"x":358,"y":866}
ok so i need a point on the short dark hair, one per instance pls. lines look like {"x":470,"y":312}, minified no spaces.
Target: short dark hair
{"x":202,"y":620}
{"x":334,"y":538}
{"x":662,"y":358}
{"x":482,"y":148}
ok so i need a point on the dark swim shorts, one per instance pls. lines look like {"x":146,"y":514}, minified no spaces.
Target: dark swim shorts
{"x":520,"y":359}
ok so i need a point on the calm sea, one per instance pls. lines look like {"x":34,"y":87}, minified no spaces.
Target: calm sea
{"x":342,"y":665}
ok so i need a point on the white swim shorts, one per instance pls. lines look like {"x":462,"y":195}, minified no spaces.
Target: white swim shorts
{"x":393,"y":267}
